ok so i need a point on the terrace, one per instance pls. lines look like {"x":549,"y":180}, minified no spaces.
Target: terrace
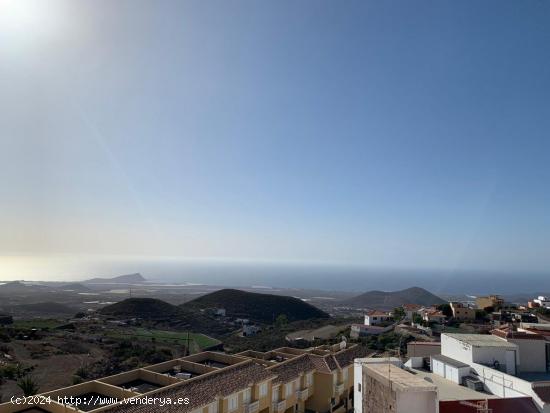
{"x":139,"y":381}
{"x":215,"y":360}
{"x":180,"y":369}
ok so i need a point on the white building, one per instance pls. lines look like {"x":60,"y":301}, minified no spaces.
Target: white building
{"x":542,"y":301}
{"x":374,"y":318}
{"x":450,"y":369}
{"x":381,"y":385}
{"x":485,"y":349}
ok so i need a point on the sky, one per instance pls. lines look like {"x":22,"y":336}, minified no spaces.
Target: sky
{"x":390,"y":134}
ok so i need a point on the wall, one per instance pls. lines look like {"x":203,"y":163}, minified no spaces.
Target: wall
{"x":488,"y":355}
{"x":417,"y":402}
{"x":533,"y":354}
{"x":422,"y":350}
{"x":455,"y":349}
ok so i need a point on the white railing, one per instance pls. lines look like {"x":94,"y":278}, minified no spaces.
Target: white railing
{"x":279,"y":406}
{"x":302,"y":394}
{"x":252,"y":407}
{"x":339,"y":388}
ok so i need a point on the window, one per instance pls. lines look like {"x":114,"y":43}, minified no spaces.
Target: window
{"x":309,"y":379}
{"x":275,"y":394}
{"x":359,"y":387}
{"x":213,"y":408}
{"x":247,"y":396}
{"x":263,"y":389}
{"x":288,"y":389}
{"x":233,"y":403}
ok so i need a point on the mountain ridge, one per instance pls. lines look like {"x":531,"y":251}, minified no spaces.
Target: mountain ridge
{"x":388,"y":300}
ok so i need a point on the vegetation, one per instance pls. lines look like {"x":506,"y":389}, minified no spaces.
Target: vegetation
{"x":163,"y":336}
{"x":28,"y":386}
{"x":446,"y":309}
{"x":398,"y":313}
{"x":384,"y":300}
{"x":387,"y":342}
{"x":147,"y":308}
{"x":263,"y":308}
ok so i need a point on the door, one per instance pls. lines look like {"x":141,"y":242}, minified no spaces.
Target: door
{"x":510,"y":362}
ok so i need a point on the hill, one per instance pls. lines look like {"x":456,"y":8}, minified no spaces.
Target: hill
{"x":45,"y":308}
{"x":17,"y":287}
{"x":255,"y":306}
{"x":76,"y":287}
{"x":147,"y":308}
{"x":121,"y":279}
{"x":388,"y":300}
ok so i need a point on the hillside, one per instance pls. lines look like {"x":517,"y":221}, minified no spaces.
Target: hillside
{"x":17,"y":287}
{"x":147,"y":308}
{"x":388,"y":300}
{"x":76,"y":287}
{"x":121,"y":279}
{"x":45,"y":308}
{"x":257,"y":307}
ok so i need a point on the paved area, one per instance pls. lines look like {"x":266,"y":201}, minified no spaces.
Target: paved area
{"x":449,"y":390}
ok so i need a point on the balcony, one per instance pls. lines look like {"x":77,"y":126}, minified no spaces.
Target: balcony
{"x":252,"y":407}
{"x":302,"y":395}
{"x":279,"y":407}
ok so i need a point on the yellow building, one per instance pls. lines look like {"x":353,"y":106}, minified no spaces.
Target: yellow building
{"x":490,"y":301}
{"x":285,"y":380}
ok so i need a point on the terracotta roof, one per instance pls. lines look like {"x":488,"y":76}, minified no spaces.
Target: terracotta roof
{"x":345,"y":357}
{"x":509,"y":405}
{"x":377,"y":313}
{"x":204,"y":389}
{"x":292,"y":369}
{"x":506,"y":332}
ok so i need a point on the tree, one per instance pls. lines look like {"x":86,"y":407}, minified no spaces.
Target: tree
{"x":445,"y":309}
{"x":281,"y":320}
{"x":28,"y":386}
{"x":417,"y":318}
{"x":398,"y":313}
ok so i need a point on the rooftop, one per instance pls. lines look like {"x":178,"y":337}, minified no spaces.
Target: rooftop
{"x":400,"y":379}
{"x":449,"y":361}
{"x":481,"y":340}
{"x":447,"y":390}
{"x":508,"y":405}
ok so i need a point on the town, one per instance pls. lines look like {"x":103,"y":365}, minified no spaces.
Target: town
{"x":479,"y":354}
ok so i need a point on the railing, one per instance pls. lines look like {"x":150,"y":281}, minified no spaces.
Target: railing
{"x":252,"y":407}
{"x":302,"y":395}
{"x":279,"y":406}
{"x":339,"y":388}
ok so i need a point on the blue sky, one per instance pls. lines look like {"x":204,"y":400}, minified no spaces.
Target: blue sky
{"x":386,"y":134}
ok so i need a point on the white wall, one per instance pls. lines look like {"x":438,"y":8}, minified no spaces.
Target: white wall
{"x":357,"y":379}
{"x":455,"y":349}
{"x":417,"y":402}
{"x":488,"y":355}
{"x":532,"y":353}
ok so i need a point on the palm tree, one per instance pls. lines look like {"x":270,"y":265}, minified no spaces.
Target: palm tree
{"x":28,"y":385}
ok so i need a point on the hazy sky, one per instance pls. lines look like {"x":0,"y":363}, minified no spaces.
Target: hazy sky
{"x":379,"y":133}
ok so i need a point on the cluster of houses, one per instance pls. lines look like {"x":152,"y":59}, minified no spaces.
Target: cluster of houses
{"x":490,"y":311}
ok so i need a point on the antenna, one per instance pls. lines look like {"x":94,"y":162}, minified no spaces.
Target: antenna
{"x":482,"y":406}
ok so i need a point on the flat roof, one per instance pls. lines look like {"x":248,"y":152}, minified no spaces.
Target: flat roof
{"x":400,"y":379}
{"x":481,"y":340}
{"x":424,"y":343}
{"x":449,"y":361}
{"x":448,"y":390}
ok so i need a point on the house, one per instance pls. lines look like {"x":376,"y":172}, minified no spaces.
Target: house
{"x":411,"y":310}
{"x":423,"y":348}
{"x":282,"y":380}
{"x":491,"y":301}
{"x":381,"y":385}
{"x":363,"y":330}
{"x":375,"y":317}
{"x":432,"y":315}
{"x":461,"y":312}
{"x":250,"y":330}
{"x":542,"y":301}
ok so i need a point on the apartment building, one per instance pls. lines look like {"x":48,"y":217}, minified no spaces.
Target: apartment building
{"x":285,"y":380}
{"x":491,"y":301}
{"x":461,"y":312}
